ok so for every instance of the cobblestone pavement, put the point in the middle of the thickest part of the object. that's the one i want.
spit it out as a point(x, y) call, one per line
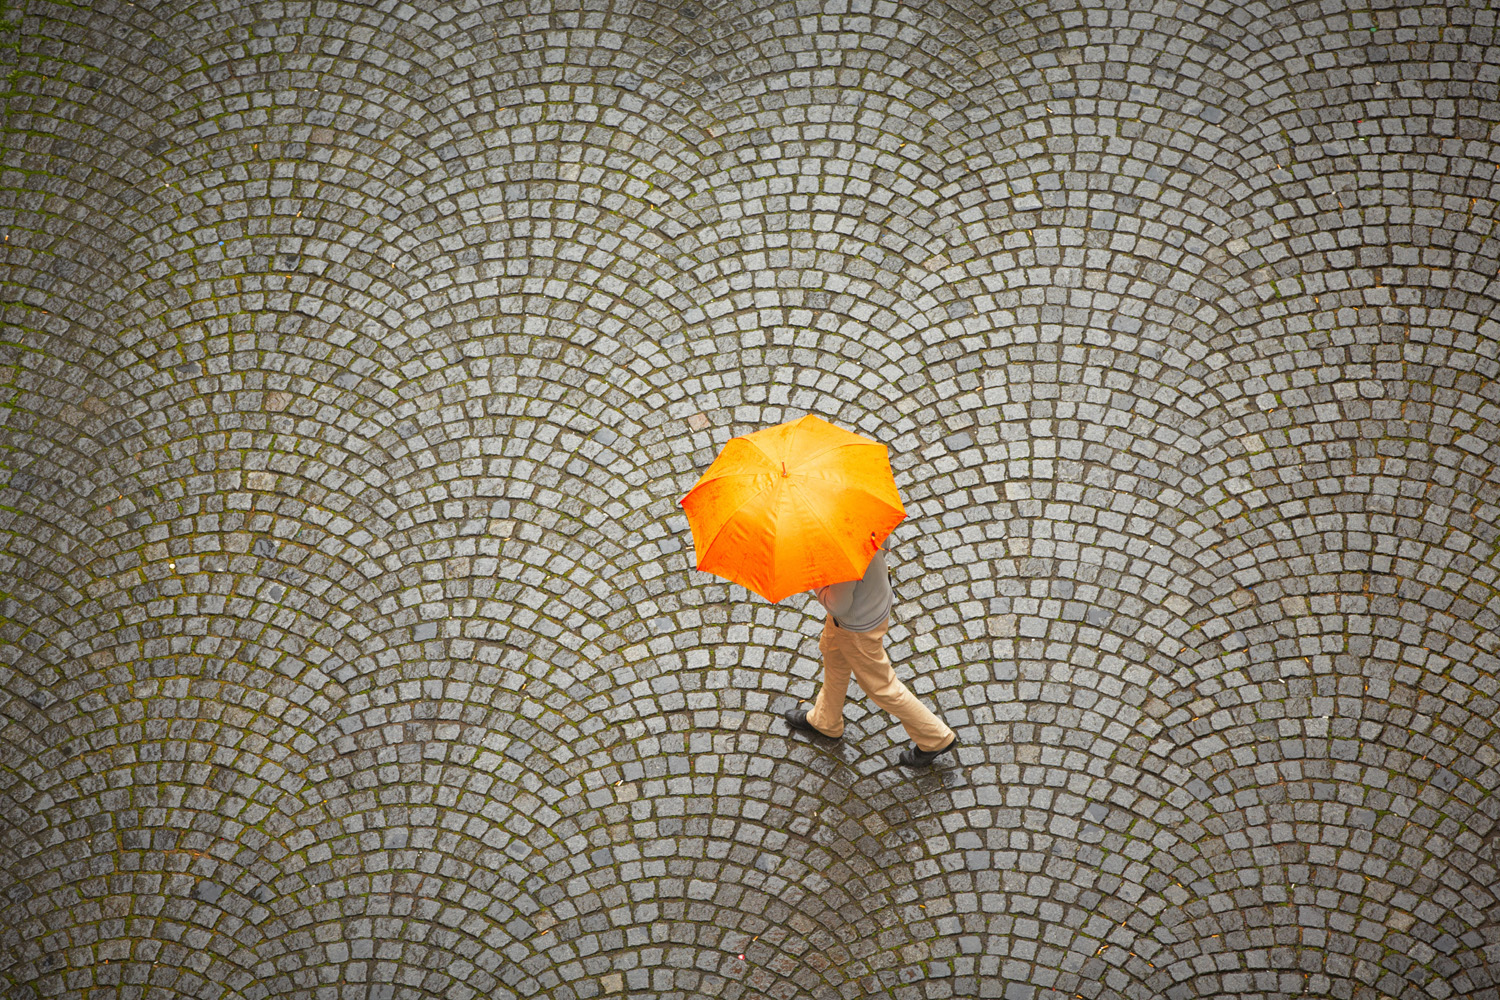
point(356, 355)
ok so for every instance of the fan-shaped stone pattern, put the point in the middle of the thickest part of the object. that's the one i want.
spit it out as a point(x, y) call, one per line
point(354, 357)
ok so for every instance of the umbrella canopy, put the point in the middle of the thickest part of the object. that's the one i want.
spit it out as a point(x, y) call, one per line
point(793, 507)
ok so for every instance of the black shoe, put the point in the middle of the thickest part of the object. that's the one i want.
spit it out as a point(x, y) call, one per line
point(912, 757)
point(797, 719)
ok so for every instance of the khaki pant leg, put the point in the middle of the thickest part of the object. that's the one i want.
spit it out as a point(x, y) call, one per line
point(827, 713)
point(865, 652)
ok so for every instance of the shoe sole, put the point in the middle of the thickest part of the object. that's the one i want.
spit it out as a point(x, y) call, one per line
point(814, 732)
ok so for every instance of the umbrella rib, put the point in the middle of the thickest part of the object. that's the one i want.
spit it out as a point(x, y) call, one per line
point(763, 454)
point(728, 518)
point(805, 459)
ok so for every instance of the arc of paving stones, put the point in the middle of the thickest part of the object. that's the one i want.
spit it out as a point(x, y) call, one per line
point(1100, 589)
point(189, 749)
point(184, 764)
point(581, 143)
point(1362, 819)
point(1148, 192)
point(561, 917)
point(690, 885)
point(402, 849)
point(1348, 405)
point(55, 241)
point(1238, 656)
point(533, 500)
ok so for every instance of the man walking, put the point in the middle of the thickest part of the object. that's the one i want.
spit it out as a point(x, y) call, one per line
point(854, 642)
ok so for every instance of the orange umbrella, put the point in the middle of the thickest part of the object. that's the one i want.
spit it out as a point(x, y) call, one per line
point(793, 507)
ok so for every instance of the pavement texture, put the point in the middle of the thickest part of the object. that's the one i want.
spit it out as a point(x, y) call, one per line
point(355, 356)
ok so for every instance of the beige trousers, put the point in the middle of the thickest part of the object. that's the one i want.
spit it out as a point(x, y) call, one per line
point(863, 655)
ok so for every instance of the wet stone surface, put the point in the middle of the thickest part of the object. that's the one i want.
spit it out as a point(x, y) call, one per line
point(354, 358)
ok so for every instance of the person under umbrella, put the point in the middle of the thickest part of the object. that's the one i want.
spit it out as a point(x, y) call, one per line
point(853, 642)
point(803, 506)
